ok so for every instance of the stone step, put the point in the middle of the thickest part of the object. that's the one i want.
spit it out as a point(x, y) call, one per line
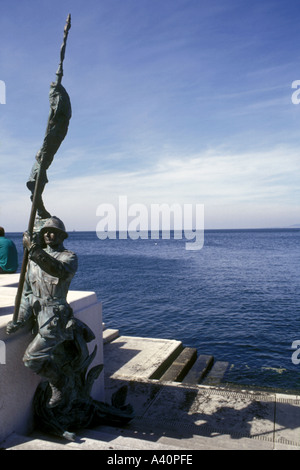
point(166, 361)
point(181, 365)
point(134, 358)
point(157, 359)
point(121, 438)
point(109, 335)
point(199, 369)
point(86, 440)
point(143, 439)
point(216, 374)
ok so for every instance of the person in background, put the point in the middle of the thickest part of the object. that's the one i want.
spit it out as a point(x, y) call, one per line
point(8, 254)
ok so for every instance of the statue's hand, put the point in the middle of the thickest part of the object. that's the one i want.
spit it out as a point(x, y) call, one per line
point(27, 240)
point(12, 327)
point(30, 241)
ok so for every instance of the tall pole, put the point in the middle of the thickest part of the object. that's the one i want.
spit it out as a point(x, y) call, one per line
point(40, 178)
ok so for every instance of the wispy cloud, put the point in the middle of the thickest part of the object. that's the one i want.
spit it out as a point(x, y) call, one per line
point(216, 179)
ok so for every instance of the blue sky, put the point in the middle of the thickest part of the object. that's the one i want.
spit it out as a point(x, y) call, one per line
point(174, 101)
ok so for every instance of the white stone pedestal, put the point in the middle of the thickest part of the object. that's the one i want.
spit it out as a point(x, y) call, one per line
point(17, 382)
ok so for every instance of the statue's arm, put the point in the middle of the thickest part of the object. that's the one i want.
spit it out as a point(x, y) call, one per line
point(25, 311)
point(61, 268)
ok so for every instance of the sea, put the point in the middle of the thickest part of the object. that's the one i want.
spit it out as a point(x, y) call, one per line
point(237, 298)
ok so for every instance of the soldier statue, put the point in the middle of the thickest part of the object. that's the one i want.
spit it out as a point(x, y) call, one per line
point(49, 274)
point(59, 352)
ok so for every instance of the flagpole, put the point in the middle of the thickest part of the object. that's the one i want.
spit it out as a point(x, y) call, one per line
point(40, 178)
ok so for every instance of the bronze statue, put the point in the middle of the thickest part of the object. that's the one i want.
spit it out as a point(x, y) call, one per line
point(49, 274)
point(59, 351)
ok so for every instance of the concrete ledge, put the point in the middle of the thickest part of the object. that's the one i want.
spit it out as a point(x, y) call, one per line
point(9, 280)
point(135, 357)
point(109, 335)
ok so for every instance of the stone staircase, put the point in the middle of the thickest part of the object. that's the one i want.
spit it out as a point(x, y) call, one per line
point(182, 365)
point(180, 406)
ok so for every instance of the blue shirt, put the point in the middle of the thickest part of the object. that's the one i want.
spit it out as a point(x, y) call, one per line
point(8, 255)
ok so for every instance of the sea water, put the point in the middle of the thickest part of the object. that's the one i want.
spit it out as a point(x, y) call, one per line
point(237, 298)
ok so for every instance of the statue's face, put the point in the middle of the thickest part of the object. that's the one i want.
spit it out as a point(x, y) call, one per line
point(53, 237)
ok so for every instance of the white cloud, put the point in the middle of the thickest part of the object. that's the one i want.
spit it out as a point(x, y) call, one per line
point(249, 190)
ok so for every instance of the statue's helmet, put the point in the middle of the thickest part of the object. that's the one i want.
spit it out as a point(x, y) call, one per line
point(54, 223)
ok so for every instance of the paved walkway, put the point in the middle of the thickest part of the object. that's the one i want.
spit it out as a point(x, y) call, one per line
point(178, 417)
